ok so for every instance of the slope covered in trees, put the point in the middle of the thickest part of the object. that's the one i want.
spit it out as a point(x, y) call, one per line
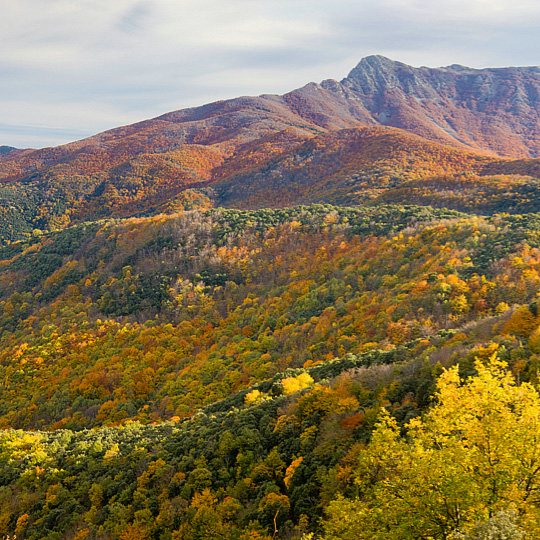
point(349, 166)
point(467, 192)
point(290, 328)
point(156, 317)
point(180, 371)
point(338, 142)
point(468, 469)
point(273, 460)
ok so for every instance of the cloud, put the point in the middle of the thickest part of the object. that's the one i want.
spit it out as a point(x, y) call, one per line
point(133, 59)
point(133, 20)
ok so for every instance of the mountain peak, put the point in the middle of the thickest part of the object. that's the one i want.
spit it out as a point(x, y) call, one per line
point(375, 62)
point(373, 73)
point(376, 59)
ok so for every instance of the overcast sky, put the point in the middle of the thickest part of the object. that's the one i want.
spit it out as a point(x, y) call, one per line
point(72, 68)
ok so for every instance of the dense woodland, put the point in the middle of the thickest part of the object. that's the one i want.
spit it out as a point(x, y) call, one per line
point(220, 373)
point(254, 320)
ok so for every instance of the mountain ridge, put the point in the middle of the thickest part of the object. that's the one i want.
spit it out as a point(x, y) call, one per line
point(271, 142)
point(493, 101)
point(363, 88)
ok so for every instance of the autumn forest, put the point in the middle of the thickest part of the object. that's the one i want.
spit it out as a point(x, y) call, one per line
point(267, 318)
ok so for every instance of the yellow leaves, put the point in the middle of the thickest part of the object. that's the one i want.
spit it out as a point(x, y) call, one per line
point(501, 308)
point(255, 397)
point(40, 472)
point(275, 500)
point(52, 494)
point(398, 332)
point(475, 451)
point(294, 225)
point(20, 351)
point(497, 423)
point(420, 287)
point(283, 422)
point(9, 308)
point(205, 499)
point(155, 468)
point(331, 218)
point(59, 274)
point(134, 532)
point(96, 495)
point(82, 533)
point(179, 477)
point(294, 384)
point(308, 436)
point(521, 323)
point(22, 523)
point(289, 473)
point(459, 304)
point(24, 447)
point(517, 262)
point(112, 452)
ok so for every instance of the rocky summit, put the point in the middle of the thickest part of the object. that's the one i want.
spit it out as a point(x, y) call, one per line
point(494, 110)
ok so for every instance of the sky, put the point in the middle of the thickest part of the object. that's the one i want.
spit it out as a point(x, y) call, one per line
point(72, 68)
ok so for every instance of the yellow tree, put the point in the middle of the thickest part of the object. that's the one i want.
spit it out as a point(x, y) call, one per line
point(474, 454)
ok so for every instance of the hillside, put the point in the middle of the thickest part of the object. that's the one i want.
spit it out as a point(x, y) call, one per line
point(289, 327)
point(328, 143)
point(513, 194)
point(299, 317)
point(350, 166)
point(160, 316)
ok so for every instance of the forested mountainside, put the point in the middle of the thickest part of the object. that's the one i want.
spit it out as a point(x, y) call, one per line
point(287, 329)
point(349, 166)
point(335, 142)
point(309, 316)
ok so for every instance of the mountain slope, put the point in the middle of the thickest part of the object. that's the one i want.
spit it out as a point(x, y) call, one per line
point(217, 373)
point(348, 167)
point(150, 318)
point(291, 329)
point(493, 110)
point(331, 142)
point(145, 168)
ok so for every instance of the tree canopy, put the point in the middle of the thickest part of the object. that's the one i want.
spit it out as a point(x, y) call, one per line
point(475, 454)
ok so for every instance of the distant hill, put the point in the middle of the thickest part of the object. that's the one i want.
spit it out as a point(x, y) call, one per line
point(335, 142)
point(6, 150)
